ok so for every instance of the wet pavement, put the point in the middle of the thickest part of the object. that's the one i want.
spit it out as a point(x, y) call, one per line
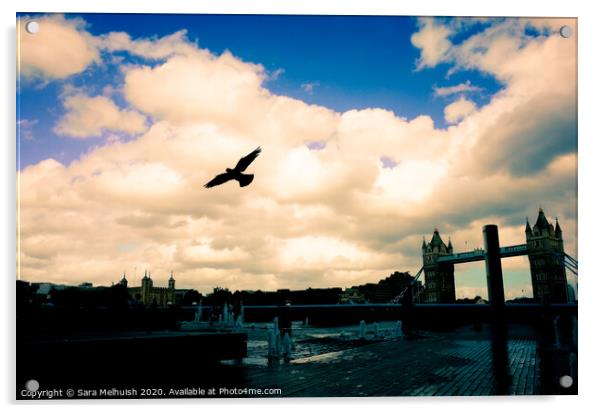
point(334, 362)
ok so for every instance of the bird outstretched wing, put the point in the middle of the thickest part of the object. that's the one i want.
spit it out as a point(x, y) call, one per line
point(219, 179)
point(244, 162)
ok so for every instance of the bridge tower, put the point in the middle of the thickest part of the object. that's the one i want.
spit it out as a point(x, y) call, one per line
point(439, 283)
point(546, 257)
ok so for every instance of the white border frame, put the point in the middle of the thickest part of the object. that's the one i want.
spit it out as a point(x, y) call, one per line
point(589, 198)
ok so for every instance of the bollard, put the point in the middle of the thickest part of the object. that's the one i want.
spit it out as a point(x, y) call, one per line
point(363, 330)
point(287, 347)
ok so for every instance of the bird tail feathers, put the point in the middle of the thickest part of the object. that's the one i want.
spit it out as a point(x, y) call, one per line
point(245, 179)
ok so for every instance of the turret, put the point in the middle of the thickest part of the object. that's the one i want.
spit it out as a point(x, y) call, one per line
point(147, 281)
point(528, 230)
point(558, 230)
point(542, 226)
point(436, 242)
point(124, 281)
point(171, 284)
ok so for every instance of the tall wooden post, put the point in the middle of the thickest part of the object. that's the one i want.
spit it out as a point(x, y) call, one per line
point(495, 288)
point(493, 264)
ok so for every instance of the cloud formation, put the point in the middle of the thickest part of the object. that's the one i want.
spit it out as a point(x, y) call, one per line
point(432, 40)
point(88, 117)
point(465, 87)
point(60, 48)
point(459, 109)
point(327, 214)
point(173, 44)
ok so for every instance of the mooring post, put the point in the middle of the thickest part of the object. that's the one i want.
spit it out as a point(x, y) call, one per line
point(493, 264)
point(495, 288)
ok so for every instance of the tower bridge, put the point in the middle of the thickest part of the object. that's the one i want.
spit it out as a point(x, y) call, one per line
point(544, 247)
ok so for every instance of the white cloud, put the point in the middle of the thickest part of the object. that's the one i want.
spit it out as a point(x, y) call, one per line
point(322, 252)
point(59, 49)
point(225, 91)
point(432, 40)
point(412, 181)
point(465, 87)
point(458, 110)
point(89, 116)
point(173, 44)
point(195, 88)
point(201, 252)
point(506, 51)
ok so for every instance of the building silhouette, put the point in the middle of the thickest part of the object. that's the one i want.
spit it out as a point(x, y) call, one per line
point(148, 294)
point(439, 282)
point(279, 297)
point(384, 291)
point(546, 258)
point(352, 295)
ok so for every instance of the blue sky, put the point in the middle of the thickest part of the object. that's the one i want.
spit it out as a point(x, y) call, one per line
point(348, 62)
point(375, 130)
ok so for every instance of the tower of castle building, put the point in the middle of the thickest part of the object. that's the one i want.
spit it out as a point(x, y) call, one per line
point(124, 281)
point(146, 288)
point(171, 284)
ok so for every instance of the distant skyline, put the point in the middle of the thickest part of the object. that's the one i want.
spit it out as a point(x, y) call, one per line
point(375, 130)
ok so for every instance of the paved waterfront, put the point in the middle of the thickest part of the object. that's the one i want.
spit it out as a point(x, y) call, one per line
point(441, 364)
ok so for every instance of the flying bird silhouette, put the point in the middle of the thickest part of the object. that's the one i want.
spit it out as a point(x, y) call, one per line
point(236, 173)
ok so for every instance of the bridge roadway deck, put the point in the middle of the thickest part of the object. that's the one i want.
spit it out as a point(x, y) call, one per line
point(448, 364)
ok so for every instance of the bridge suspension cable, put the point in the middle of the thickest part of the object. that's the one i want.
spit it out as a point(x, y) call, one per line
point(398, 298)
point(572, 261)
point(568, 262)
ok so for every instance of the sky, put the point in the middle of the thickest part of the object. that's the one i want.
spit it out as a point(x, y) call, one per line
point(374, 130)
